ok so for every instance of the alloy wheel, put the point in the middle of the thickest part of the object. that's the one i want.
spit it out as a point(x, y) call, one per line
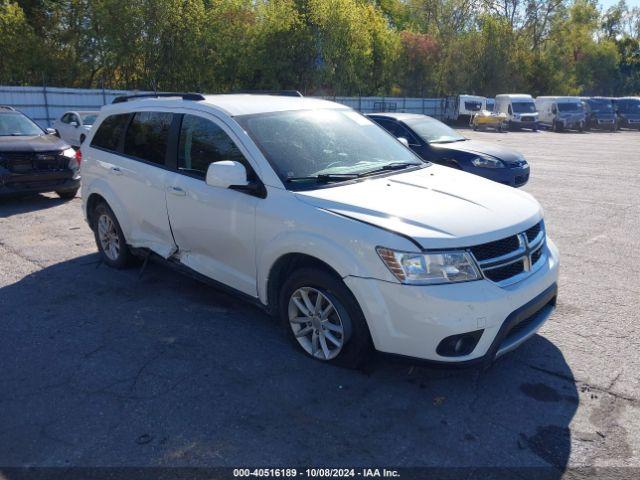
point(108, 236)
point(316, 323)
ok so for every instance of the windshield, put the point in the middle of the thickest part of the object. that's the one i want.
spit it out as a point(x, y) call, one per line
point(524, 107)
point(600, 105)
point(473, 106)
point(569, 107)
point(312, 145)
point(629, 106)
point(16, 124)
point(434, 131)
point(490, 104)
point(89, 118)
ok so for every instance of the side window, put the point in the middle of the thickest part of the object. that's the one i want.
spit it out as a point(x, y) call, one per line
point(74, 118)
point(510, 110)
point(402, 131)
point(388, 125)
point(110, 131)
point(203, 142)
point(147, 136)
point(65, 118)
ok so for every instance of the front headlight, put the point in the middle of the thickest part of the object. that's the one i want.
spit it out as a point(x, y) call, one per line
point(487, 162)
point(430, 268)
point(70, 153)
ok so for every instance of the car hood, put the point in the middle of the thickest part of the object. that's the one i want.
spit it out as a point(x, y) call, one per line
point(436, 206)
point(481, 148)
point(37, 143)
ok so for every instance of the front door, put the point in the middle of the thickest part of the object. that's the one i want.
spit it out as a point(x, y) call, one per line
point(214, 228)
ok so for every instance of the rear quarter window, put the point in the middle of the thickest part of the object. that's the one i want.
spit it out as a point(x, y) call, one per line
point(110, 132)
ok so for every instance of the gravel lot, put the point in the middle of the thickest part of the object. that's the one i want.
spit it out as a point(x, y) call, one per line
point(101, 367)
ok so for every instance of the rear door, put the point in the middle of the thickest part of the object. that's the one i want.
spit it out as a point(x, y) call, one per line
point(139, 176)
point(214, 228)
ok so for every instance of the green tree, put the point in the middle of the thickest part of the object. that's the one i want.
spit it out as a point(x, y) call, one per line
point(18, 45)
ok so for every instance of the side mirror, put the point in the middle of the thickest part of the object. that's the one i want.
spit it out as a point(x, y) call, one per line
point(403, 141)
point(226, 173)
point(74, 124)
point(50, 131)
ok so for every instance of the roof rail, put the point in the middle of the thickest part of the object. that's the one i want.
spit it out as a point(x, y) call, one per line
point(7, 107)
point(184, 96)
point(280, 93)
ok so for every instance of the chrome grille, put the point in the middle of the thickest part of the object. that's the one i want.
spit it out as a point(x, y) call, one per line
point(512, 259)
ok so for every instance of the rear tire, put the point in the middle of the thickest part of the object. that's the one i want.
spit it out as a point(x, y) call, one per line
point(67, 194)
point(323, 319)
point(110, 239)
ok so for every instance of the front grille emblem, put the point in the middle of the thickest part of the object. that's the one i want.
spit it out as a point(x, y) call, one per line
point(526, 258)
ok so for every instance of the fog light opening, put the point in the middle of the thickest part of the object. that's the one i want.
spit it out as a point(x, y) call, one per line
point(459, 345)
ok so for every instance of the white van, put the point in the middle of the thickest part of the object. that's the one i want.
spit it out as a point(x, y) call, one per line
point(460, 108)
point(520, 110)
point(561, 113)
point(318, 215)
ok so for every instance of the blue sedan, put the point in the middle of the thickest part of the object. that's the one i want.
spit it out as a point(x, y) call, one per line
point(436, 142)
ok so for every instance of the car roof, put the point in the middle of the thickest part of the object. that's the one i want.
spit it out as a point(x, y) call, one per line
point(399, 115)
point(232, 104)
point(559, 98)
point(517, 96)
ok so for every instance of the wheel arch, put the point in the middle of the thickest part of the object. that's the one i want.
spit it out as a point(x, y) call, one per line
point(101, 192)
point(283, 267)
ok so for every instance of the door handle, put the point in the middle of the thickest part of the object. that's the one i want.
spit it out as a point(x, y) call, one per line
point(177, 191)
point(116, 171)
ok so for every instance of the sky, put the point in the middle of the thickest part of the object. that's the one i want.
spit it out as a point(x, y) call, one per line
point(609, 3)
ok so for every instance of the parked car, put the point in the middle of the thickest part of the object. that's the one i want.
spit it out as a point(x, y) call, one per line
point(600, 113)
point(315, 213)
point(520, 110)
point(628, 112)
point(436, 142)
point(561, 113)
point(33, 160)
point(73, 127)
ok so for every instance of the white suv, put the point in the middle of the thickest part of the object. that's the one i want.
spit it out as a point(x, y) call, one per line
point(317, 214)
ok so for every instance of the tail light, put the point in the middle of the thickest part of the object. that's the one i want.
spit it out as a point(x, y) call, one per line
point(79, 157)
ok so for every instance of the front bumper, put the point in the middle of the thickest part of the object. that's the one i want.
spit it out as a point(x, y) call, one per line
point(32, 183)
point(571, 123)
point(527, 123)
point(411, 321)
point(514, 177)
point(604, 123)
point(630, 122)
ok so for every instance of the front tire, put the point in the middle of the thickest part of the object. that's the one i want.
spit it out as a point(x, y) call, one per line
point(110, 239)
point(67, 194)
point(323, 318)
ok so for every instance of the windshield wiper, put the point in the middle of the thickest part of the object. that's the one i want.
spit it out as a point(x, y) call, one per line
point(450, 141)
point(390, 166)
point(326, 177)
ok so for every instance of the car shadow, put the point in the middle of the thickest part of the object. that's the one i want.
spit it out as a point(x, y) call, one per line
point(108, 367)
point(10, 206)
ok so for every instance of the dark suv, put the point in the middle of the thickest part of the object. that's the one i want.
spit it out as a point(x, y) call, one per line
point(33, 160)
